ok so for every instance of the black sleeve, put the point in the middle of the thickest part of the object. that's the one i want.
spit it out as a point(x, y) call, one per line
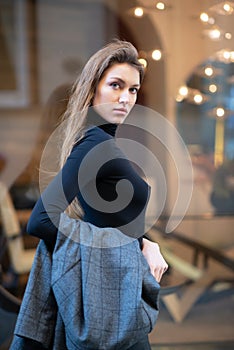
point(45, 216)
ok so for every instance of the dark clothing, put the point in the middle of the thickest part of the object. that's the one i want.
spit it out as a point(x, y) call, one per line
point(29, 344)
point(95, 172)
point(141, 345)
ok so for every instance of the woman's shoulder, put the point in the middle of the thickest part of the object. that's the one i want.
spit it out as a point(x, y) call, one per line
point(92, 137)
point(97, 132)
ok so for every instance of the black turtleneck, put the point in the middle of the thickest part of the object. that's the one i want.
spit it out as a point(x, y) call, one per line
point(92, 174)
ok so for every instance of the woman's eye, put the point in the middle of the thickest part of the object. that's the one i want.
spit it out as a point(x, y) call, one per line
point(115, 85)
point(134, 90)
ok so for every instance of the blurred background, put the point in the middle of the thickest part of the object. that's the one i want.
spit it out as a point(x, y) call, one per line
point(187, 47)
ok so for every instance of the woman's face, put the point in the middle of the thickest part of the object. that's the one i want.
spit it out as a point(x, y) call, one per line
point(116, 92)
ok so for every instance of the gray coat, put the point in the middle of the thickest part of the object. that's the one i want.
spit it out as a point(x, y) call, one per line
point(94, 292)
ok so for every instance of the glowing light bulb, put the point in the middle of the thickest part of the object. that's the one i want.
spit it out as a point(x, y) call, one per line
point(179, 98)
point(160, 6)
point(156, 55)
point(215, 34)
point(204, 17)
point(220, 112)
point(228, 36)
point(228, 8)
point(212, 88)
point(143, 62)
point(209, 71)
point(183, 90)
point(226, 55)
point(198, 98)
point(138, 12)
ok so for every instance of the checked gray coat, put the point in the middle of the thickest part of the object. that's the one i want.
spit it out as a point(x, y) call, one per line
point(94, 292)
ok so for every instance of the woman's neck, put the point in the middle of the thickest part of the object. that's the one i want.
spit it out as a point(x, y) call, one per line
point(94, 119)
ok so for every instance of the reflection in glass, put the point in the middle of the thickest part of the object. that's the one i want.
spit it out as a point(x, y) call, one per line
point(208, 124)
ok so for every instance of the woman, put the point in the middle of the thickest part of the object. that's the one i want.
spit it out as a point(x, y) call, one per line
point(109, 83)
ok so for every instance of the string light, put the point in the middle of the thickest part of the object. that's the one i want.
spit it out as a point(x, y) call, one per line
point(160, 6)
point(228, 36)
point(145, 56)
point(198, 99)
point(213, 88)
point(227, 55)
point(179, 98)
point(138, 12)
point(213, 33)
point(183, 91)
point(143, 62)
point(209, 71)
point(220, 112)
point(228, 8)
point(224, 8)
point(191, 95)
point(224, 55)
point(157, 55)
point(204, 17)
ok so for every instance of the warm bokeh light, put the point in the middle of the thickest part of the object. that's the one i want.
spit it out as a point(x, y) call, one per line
point(228, 36)
point(156, 55)
point(179, 98)
point(143, 62)
point(160, 6)
point(209, 71)
point(227, 55)
point(204, 17)
point(220, 112)
point(198, 98)
point(213, 88)
point(183, 90)
point(214, 34)
point(228, 8)
point(138, 12)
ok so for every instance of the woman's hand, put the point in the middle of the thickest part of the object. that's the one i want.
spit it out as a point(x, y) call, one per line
point(157, 264)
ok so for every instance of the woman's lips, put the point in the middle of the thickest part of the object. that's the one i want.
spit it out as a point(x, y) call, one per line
point(120, 110)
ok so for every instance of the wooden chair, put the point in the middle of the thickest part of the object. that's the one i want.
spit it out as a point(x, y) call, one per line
point(197, 278)
point(20, 258)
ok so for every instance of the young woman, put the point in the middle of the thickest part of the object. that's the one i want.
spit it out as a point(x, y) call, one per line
point(102, 97)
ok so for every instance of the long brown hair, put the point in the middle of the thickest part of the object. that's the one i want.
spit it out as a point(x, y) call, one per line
point(84, 90)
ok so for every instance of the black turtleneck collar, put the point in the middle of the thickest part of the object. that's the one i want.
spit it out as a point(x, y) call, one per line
point(109, 128)
point(94, 119)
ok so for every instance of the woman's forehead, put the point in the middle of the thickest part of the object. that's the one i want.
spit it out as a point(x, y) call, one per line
point(123, 71)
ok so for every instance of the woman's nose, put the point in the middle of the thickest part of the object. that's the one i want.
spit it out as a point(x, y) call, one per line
point(124, 98)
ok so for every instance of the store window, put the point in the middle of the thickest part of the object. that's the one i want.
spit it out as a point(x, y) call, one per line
point(187, 49)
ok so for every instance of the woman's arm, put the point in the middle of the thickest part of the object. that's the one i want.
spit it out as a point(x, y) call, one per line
point(157, 264)
point(45, 217)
